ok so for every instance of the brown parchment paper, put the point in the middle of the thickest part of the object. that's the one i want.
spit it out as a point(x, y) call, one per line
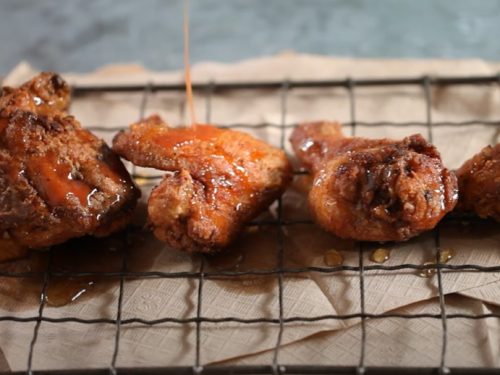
point(390, 341)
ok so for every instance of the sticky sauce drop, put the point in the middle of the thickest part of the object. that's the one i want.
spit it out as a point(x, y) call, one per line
point(380, 255)
point(444, 257)
point(333, 258)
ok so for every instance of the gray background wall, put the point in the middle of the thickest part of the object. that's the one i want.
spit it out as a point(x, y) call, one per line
point(80, 35)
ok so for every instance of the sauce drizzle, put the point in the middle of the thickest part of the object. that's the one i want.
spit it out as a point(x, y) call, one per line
point(187, 68)
point(177, 137)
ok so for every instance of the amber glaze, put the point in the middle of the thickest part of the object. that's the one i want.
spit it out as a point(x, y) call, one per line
point(177, 137)
point(55, 181)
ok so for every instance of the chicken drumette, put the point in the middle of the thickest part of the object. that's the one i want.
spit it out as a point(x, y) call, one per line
point(479, 183)
point(220, 179)
point(374, 190)
point(57, 180)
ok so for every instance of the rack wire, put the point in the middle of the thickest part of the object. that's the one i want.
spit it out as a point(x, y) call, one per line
point(282, 88)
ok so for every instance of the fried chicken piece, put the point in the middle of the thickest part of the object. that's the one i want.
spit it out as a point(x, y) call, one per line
point(479, 183)
point(374, 190)
point(220, 179)
point(57, 180)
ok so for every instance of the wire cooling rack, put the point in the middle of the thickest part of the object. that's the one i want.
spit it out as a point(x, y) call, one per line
point(282, 88)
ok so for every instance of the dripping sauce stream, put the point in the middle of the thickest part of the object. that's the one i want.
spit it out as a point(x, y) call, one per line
point(187, 67)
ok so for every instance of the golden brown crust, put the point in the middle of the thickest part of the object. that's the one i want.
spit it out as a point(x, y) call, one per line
point(479, 183)
point(374, 190)
point(220, 180)
point(45, 94)
point(57, 180)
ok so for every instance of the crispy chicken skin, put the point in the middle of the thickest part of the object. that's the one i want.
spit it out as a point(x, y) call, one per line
point(57, 180)
point(373, 190)
point(220, 179)
point(479, 183)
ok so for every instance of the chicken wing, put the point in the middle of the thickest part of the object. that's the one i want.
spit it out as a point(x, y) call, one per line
point(373, 190)
point(220, 179)
point(479, 183)
point(57, 180)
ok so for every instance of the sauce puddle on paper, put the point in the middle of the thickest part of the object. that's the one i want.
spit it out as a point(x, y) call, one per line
point(81, 255)
point(255, 249)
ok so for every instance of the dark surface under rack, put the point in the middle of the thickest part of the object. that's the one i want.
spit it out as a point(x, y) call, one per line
point(282, 88)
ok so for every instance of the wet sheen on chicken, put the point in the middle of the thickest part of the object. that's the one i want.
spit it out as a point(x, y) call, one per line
point(57, 180)
point(373, 189)
point(479, 183)
point(219, 180)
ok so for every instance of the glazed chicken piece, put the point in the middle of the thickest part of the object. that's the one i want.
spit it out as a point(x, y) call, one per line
point(479, 183)
point(373, 190)
point(57, 180)
point(219, 179)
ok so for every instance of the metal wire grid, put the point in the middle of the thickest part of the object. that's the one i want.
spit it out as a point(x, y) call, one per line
point(280, 271)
